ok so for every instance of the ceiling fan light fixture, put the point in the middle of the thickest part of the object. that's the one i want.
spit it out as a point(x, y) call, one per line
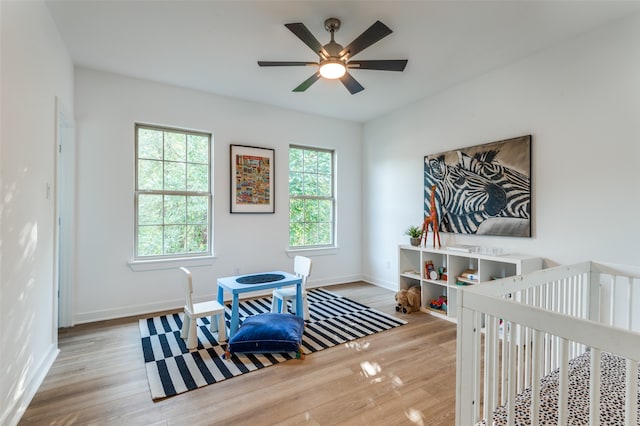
point(332, 69)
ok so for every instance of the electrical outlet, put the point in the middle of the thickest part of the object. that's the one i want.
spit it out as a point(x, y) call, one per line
point(236, 271)
point(387, 264)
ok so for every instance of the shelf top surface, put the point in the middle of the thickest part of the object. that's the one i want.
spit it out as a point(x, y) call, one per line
point(505, 257)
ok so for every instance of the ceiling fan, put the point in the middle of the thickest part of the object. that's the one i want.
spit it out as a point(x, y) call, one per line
point(334, 60)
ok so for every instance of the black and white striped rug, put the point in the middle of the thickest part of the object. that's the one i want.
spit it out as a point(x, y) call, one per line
point(173, 369)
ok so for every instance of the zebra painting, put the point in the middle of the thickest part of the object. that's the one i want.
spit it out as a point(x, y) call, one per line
point(485, 189)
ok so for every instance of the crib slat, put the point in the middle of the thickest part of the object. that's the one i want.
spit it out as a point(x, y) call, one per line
point(511, 381)
point(489, 368)
point(631, 394)
point(464, 371)
point(563, 386)
point(476, 366)
point(594, 388)
point(519, 358)
point(629, 324)
point(612, 300)
point(503, 367)
point(536, 376)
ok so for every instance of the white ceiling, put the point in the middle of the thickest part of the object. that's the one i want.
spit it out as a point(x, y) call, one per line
point(213, 46)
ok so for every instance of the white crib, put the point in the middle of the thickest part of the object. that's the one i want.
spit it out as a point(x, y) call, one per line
point(523, 343)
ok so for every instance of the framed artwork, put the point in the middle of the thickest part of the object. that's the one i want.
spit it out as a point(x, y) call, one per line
point(252, 179)
point(483, 189)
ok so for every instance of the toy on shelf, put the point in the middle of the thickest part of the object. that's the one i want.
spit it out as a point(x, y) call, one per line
point(408, 300)
point(429, 269)
point(432, 220)
point(440, 303)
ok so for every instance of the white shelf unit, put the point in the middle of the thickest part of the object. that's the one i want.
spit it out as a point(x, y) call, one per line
point(411, 266)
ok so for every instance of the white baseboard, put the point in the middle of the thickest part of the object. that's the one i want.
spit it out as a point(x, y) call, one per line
point(390, 285)
point(167, 305)
point(17, 406)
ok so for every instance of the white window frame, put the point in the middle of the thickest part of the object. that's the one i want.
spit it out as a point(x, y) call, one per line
point(332, 198)
point(151, 260)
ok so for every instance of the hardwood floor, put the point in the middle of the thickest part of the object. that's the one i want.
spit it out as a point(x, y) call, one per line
point(403, 376)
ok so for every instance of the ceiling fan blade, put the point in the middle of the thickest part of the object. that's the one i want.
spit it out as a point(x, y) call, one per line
point(303, 33)
point(307, 83)
point(382, 65)
point(285, 64)
point(351, 84)
point(375, 32)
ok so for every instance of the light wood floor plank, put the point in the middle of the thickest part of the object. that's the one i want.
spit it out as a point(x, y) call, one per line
point(404, 376)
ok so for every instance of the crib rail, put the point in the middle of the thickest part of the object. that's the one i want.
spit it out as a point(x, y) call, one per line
point(514, 331)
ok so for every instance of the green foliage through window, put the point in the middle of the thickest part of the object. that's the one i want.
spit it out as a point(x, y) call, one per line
point(173, 192)
point(311, 201)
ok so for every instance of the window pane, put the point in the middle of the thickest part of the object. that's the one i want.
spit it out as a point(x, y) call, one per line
point(198, 177)
point(196, 238)
point(197, 210)
point(175, 210)
point(175, 146)
point(296, 160)
point(150, 144)
point(295, 183)
point(311, 210)
point(310, 184)
point(174, 239)
point(149, 240)
point(175, 176)
point(311, 234)
point(324, 185)
point(197, 149)
point(324, 210)
point(296, 234)
point(296, 210)
point(149, 209)
point(150, 175)
point(324, 162)
point(324, 233)
point(310, 161)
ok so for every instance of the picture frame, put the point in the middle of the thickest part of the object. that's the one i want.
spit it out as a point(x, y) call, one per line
point(252, 179)
point(483, 189)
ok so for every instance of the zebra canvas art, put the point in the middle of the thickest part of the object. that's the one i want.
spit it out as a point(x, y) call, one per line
point(483, 189)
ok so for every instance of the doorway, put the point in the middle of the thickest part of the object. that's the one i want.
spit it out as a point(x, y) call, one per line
point(64, 217)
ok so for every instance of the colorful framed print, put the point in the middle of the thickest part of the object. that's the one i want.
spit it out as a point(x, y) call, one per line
point(252, 177)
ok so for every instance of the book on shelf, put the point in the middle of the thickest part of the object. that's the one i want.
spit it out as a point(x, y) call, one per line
point(470, 276)
point(465, 281)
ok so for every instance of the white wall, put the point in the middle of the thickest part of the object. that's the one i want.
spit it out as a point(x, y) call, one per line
point(35, 69)
point(108, 105)
point(581, 102)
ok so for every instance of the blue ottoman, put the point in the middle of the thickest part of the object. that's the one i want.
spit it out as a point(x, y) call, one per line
point(268, 333)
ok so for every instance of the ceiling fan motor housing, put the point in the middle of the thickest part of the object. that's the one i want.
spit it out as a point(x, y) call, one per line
point(332, 24)
point(332, 48)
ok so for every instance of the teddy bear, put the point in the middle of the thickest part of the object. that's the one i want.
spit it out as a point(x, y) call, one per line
point(408, 300)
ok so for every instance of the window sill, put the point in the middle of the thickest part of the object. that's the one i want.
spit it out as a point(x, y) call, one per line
point(158, 264)
point(312, 251)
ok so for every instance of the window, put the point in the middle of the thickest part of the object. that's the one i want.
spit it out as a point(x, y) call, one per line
point(311, 200)
point(173, 193)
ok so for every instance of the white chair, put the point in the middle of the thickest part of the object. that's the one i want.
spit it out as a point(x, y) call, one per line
point(193, 311)
point(302, 268)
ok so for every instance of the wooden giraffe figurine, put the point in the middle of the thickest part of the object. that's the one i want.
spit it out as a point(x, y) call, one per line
point(432, 220)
